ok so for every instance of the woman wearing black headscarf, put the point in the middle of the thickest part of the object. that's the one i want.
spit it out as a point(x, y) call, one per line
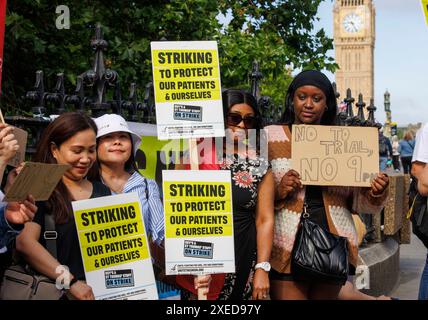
point(311, 100)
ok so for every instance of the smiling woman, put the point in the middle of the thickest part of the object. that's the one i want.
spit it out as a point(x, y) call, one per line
point(252, 194)
point(69, 139)
point(116, 168)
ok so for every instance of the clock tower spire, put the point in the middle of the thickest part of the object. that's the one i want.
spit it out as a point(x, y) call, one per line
point(354, 40)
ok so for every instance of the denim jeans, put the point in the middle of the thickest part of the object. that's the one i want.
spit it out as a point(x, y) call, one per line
point(382, 163)
point(7, 233)
point(423, 286)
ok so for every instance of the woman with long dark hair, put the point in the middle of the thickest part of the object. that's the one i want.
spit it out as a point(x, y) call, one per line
point(69, 139)
point(252, 194)
point(253, 197)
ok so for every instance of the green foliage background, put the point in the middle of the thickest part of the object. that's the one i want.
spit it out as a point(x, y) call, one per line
point(278, 34)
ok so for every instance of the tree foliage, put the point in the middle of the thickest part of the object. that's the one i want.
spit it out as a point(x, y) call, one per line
point(279, 34)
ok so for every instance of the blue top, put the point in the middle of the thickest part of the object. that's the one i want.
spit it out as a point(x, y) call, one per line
point(406, 147)
point(7, 232)
point(151, 204)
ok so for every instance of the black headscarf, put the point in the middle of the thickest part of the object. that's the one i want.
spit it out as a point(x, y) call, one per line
point(319, 80)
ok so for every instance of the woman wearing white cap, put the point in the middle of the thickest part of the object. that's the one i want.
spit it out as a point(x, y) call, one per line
point(116, 147)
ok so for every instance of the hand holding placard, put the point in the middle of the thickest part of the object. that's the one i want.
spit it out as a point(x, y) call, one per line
point(20, 136)
point(8, 144)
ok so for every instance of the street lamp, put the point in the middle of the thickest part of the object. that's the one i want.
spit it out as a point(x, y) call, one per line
point(387, 104)
point(387, 101)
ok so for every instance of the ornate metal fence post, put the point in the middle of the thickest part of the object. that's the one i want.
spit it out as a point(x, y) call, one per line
point(78, 99)
point(38, 95)
point(96, 82)
point(99, 78)
point(255, 78)
point(58, 97)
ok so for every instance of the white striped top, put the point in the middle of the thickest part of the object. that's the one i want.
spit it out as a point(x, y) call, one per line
point(152, 209)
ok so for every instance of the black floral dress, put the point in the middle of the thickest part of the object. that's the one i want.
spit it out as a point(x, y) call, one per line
point(246, 176)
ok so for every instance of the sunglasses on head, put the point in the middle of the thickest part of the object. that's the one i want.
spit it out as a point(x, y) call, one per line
point(234, 119)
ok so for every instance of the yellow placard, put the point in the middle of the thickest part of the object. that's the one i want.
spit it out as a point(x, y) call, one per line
point(425, 9)
point(197, 209)
point(156, 155)
point(111, 235)
point(186, 75)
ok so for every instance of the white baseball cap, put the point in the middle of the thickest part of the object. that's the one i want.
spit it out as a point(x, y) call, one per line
point(109, 123)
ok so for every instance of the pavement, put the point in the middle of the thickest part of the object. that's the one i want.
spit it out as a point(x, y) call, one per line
point(412, 262)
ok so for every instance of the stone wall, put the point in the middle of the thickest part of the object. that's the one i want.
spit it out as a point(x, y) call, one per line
point(391, 228)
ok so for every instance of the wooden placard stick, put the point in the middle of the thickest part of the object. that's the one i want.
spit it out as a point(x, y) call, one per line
point(194, 165)
point(1, 117)
point(2, 167)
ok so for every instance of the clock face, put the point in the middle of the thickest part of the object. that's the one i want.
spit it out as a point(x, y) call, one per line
point(352, 23)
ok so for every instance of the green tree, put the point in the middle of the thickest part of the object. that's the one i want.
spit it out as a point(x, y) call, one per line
point(279, 34)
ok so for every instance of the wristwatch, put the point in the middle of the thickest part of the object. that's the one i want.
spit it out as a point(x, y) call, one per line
point(73, 281)
point(263, 265)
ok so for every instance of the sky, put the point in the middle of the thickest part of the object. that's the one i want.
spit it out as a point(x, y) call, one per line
point(400, 57)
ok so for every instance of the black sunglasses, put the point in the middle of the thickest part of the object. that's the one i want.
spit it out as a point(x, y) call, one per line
point(234, 119)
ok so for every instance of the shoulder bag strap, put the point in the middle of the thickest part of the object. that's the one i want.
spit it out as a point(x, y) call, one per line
point(50, 235)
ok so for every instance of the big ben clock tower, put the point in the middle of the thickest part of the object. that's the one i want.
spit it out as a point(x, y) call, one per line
point(354, 39)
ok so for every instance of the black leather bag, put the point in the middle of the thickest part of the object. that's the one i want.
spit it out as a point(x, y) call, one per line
point(21, 282)
point(319, 255)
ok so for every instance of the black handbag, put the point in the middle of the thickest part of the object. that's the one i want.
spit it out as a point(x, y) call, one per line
point(319, 255)
point(21, 282)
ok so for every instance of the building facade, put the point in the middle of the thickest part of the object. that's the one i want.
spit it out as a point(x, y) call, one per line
point(354, 41)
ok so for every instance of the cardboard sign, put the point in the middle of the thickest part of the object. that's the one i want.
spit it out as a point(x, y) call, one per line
point(335, 156)
point(114, 247)
point(21, 136)
point(186, 77)
point(198, 222)
point(37, 179)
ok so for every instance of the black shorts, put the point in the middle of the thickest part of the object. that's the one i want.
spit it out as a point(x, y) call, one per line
point(275, 275)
